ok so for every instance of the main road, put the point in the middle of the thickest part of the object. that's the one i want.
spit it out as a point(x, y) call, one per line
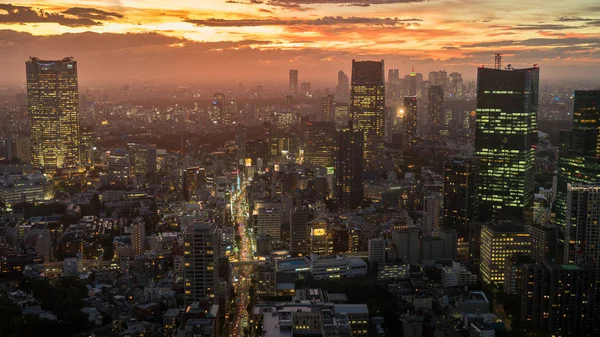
point(239, 209)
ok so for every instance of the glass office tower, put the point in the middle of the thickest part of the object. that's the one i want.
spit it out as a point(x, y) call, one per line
point(505, 141)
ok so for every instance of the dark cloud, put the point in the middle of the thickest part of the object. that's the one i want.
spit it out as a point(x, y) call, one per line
point(544, 27)
point(538, 42)
point(72, 17)
point(450, 48)
point(92, 13)
point(324, 21)
point(304, 4)
point(572, 19)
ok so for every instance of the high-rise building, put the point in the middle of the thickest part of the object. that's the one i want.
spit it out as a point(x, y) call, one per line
point(543, 242)
point(505, 141)
point(200, 256)
point(582, 229)
point(305, 88)
point(299, 239)
point(560, 300)
point(410, 121)
point(349, 168)
point(319, 145)
point(455, 86)
point(327, 108)
point(436, 114)
point(86, 146)
point(268, 218)
point(193, 178)
point(376, 250)
point(393, 75)
point(433, 209)
point(579, 151)
point(342, 93)
point(241, 133)
point(143, 160)
point(321, 241)
point(293, 81)
point(218, 108)
point(53, 103)
point(138, 236)
point(367, 108)
point(499, 241)
point(460, 201)
point(406, 243)
point(412, 83)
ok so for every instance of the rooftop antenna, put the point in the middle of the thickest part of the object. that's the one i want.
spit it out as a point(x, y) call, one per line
point(509, 67)
point(498, 61)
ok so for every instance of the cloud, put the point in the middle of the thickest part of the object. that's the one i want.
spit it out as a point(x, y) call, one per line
point(544, 27)
point(324, 21)
point(93, 13)
point(572, 19)
point(537, 42)
point(305, 4)
point(72, 17)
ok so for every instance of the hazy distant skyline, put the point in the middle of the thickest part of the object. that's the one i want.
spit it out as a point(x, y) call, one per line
point(254, 40)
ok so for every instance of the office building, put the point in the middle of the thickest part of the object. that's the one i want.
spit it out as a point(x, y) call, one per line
point(321, 240)
point(460, 201)
point(342, 93)
point(544, 240)
point(560, 300)
point(138, 236)
point(499, 241)
point(410, 122)
point(200, 255)
point(193, 179)
point(367, 108)
point(327, 108)
point(376, 250)
point(86, 146)
point(143, 160)
point(406, 243)
point(436, 117)
point(582, 228)
point(349, 168)
point(53, 104)
point(579, 151)
point(433, 210)
point(293, 81)
point(267, 217)
point(18, 188)
point(505, 141)
point(299, 229)
point(319, 146)
point(218, 109)
point(457, 275)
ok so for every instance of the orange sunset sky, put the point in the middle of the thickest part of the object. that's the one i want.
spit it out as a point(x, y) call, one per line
point(259, 40)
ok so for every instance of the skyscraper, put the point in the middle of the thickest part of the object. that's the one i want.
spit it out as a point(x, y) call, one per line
point(218, 108)
point(319, 138)
point(582, 231)
point(579, 152)
point(241, 133)
point(53, 102)
point(505, 141)
point(436, 114)
point(433, 209)
point(499, 241)
point(327, 108)
point(460, 201)
point(412, 83)
point(367, 108)
point(293, 81)
point(349, 168)
point(200, 248)
point(410, 121)
point(299, 239)
point(138, 236)
point(343, 87)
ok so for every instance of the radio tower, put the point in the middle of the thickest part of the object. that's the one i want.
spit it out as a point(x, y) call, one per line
point(498, 61)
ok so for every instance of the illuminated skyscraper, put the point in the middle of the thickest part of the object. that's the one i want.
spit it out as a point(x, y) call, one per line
point(410, 121)
point(349, 168)
point(201, 252)
point(319, 138)
point(138, 236)
point(412, 83)
point(218, 108)
point(327, 108)
point(582, 230)
point(53, 100)
point(436, 116)
point(86, 148)
point(505, 141)
point(579, 152)
point(293, 81)
point(499, 241)
point(367, 108)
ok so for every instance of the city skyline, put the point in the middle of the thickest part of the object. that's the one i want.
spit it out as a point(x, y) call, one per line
point(220, 40)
